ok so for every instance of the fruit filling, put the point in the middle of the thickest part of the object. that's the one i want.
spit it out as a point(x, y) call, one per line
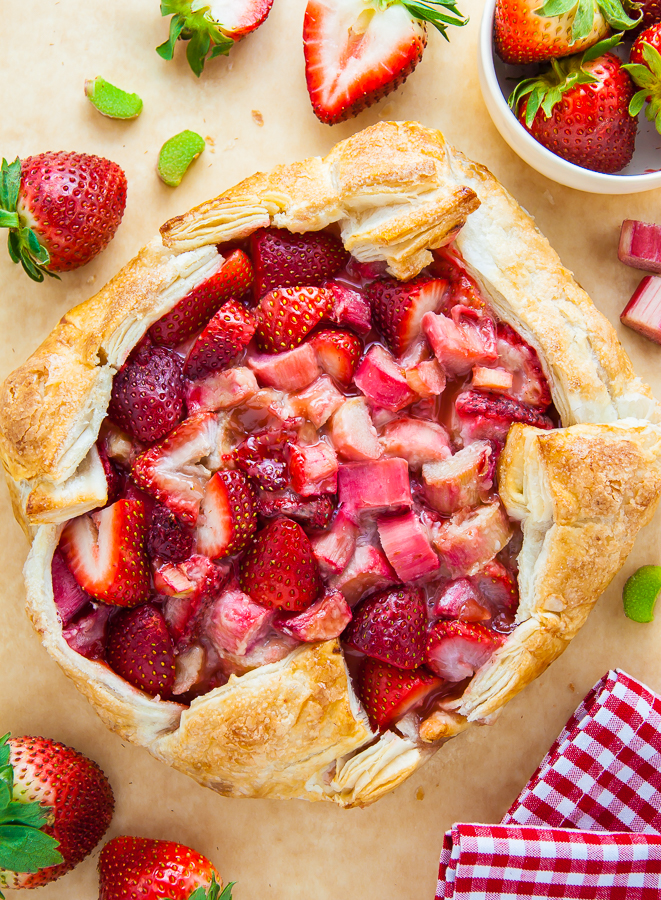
point(305, 449)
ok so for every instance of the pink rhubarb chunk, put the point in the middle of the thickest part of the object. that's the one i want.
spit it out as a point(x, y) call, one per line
point(407, 546)
point(350, 309)
point(643, 311)
point(235, 622)
point(465, 340)
point(313, 469)
point(495, 379)
point(324, 620)
point(290, 371)
point(379, 486)
point(426, 378)
point(640, 245)
point(334, 548)
point(367, 571)
point(352, 432)
point(459, 600)
point(460, 480)
point(318, 402)
point(382, 380)
point(472, 537)
point(221, 390)
point(416, 440)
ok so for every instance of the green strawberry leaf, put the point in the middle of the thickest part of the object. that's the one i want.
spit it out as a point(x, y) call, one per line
point(556, 8)
point(612, 10)
point(439, 13)
point(605, 46)
point(652, 59)
point(192, 22)
point(212, 892)
point(637, 103)
point(196, 51)
point(24, 849)
point(10, 182)
point(32, 814)
point(166, 49)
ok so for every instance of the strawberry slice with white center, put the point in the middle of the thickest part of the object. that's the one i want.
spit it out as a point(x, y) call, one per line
point(176, 469)
point(225, 336)
point(456, 650)
point(357, 52)
point(388, 693)
point(398, 308)
point(498, 587)
point(227, 517)
point(488, 416)
point(529, 384)
point(105, 552)
point(338, 352)
point(237, 19)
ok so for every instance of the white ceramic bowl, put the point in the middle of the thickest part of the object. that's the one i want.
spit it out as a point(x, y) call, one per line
point(643, 172)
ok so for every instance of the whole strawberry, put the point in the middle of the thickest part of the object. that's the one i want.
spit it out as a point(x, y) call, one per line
point(55, 805)
point(579, 109)
point(133, 868)
point(61, 209)
point(645, 69)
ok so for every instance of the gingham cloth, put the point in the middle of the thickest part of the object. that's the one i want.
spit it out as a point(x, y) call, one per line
point(602, 775)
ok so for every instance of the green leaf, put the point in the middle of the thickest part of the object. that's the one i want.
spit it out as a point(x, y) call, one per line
point(613, 12)
point(439, 13)
point(227, 891)
point(556, 8)
point(35, 273)
point(605, 46)
point(583, 20)
point(168, 7)
point(166, 49)
point(637, 103)
point(10, 182)
point(652, 58)
point(31, 814)
point(196, 51)
point(8, 219)
point(14, 246)
point(24, 849)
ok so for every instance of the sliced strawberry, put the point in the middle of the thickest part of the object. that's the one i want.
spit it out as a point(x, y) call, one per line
point(261, 457)
point(238, 19)
point(105, 552)
point(498, 587)
point(174, 470)
point(382, 380)
point(459, 599)
point(225, 336)
point(398, 308)
point(279, 568)
point(324, 620)
point(140, 649)
point(285, 316)
point(313, 469)
point(460, 341)
point(86, 634)
point(189, 588)
point(456, 650)
point(148, 393)
point(388, 693)
point(486, 416)
point(282, 259)
point(221, 390)
point(529, 383)
point(113, 477)
point(68, 595)
point(390, 626)
point(312, 512)
point(350, 308)
point(338, 353)
point(227, 517)
point(232, 279)
point(168, 537)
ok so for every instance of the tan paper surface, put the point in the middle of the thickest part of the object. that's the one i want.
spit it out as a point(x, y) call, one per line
point(280, 850)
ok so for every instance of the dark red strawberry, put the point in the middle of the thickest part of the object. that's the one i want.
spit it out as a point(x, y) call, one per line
point(61, 209)
point(338, 352)
point(279, 568)
point(388, 693)
point(68, 595)
point(113, 478)
point(651, 10)
point(285, 316)
point(227, 517)
point(456, 650)
point(488, 417)
point(282, 259)
point(86, 634)
point(140, 649)
point(398, 308)
point(311, 512)
point(228, 332)
point(105, 552)
point(529, 382)
point(645, 70)
point(168, 537)
point(231, 280)
point(260, 456)
point(498, 587)
point(148, 393)
point(390, 626)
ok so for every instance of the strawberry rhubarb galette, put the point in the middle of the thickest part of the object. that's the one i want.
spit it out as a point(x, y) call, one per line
point(336, 466)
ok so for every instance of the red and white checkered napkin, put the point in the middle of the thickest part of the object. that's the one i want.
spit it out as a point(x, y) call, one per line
point(602, 775)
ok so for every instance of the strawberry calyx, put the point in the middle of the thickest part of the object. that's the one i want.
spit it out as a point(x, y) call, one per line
point(648, 77)
point(212, 892)
point(23, 244)
point(546, 89)
point(192, 22)
point(612, 10)
point(439, 13)
point(24, 847)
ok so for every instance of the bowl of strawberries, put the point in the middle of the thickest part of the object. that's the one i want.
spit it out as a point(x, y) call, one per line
point(577, 93)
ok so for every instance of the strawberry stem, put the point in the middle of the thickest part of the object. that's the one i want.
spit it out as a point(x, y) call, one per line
point(647, 77)
point(612, 10)
point(206, 40)
point(439, 13)
point(23, 244)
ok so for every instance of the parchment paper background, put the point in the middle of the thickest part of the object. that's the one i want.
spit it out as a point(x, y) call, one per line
point(279, 850)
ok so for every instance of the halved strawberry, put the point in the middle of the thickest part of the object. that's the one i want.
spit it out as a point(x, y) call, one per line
point(86, 634)
point(282, 259)
point(338, 353)
point(529, 384)
point(139, 648)
point(390, 626)
point(226, 334)
point(459, 599)
point(279, 569)
point(456, 650)
point(356, 53)
point(105, 552)
point(287, 315)
point(227, 517)
point(232, 279)
point(498, 587)
point(398, 308)
point(388, 693)
point(488, 417)
point(174, 470)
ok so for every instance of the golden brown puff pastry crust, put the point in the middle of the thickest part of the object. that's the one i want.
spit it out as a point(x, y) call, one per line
point(395, 191)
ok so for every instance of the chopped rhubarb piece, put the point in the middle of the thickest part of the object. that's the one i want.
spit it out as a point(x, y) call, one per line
point(462, 341)
point(335, 547)
point(227, 519)
point(495, 379)
point(172, 581)
point(388, 693)
point(486, 416)
point(313, 469)
point(352, 432)
point(391, 626)
point(190, 669)
point(221, 390)
point(317, 402)
point(461, 480)
point(87, 634)
point(368, 570)
point(234, 622)
point(407, 546)
point(290, 371)
point(379, 486)
point(68, 595)
point(643, 311)
point(196, 575)
point(415, 440)
point(267, 650)
point(426, 378)
point(498, 587)
point(459, 600)
point(398, 308)
point(338, 352)
point(313, 512)
point(529, 384)
point(349, 308)
point(324, 620)
point(640, 245)
point(456, 650)
point(382, 380)
point(472, 537)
